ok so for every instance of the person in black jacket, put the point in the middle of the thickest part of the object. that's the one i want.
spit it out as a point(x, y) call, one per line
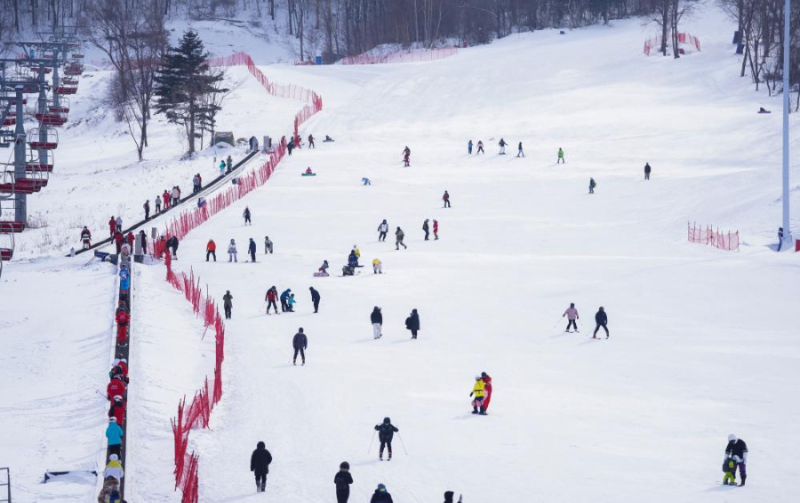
point(300, 344)
point(381, 496)
point(376, 318)
point(601, 318)
point(343, 479)
point(426, 229)
point(385, 435)
point(252, 249)
point(647, 170)
point(314, 298)
point(227, 300)
point(412, 323)
point(737, 447)
point(259, 463)
point(172, 244)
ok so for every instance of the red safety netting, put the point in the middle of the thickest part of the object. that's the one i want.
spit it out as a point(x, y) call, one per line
point(708, 236)
point(406, 56)
point(687, 41)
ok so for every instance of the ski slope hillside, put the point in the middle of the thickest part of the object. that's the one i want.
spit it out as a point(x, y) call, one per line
point(702, 341)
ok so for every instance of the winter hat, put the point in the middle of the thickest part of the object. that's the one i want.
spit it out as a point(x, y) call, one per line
point(113, 457)
point(483, 374)
point(381, 488)
point(386, 420)
point(344, 465)
point(112, 419)
point(732, 438)
point(261, 445)
point(478, 378)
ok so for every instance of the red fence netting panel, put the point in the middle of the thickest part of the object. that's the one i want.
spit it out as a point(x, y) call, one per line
point(708, 236)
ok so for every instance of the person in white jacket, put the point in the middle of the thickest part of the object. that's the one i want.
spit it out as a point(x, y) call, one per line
point(232, 251)
point(114, 468)
point(572, 315)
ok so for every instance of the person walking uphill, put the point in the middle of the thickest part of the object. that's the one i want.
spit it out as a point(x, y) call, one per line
point(300, 344)
point(478, 390)
point(647, 170)
point(376, 318)
point(386, 432)
point(520, 152)
point(343, 479)
point(259, 465)
point(227, 300)
point(601, 318)
point(412, 323)
point(737, 449)
point(315, 298)
point(572, 315)
point(114, 435)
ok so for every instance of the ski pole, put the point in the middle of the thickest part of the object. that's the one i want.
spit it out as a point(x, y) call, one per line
point(402, 443)
point(556, 323)
point(370, 442)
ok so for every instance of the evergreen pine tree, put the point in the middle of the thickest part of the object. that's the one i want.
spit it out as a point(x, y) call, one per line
point(184, 85)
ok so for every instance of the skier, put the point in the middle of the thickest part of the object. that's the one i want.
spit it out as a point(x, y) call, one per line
point(300, 344)
point(399, 236)
point(227, 300)
point(487, 390)
point(647, 170)
point(259, 465)
point(560, 156)
point(377, 322)
point(407, 156)
point(356, 251)
point(112, 226)
point(386, 432)
point(469, 147)
point(572, 315)
point(380, 495)
point(122, 318)
point(290, 146)
point(267, 245)
point(480, 148)
point(211, 250)
point(147, 209)
point(246, 215)
point(315, 298)
point(502, 144)
point(285, 299)
point(143, 240)
point(117, 410)
point(377, 266)
point(343, 479)
point(311, 141)
point(113, 468)
point(478, 392)
point(366, 181)
point(165, 197)
point(228, 164)
point(252, 249)
point(738, 449)
point(157, 200)
point(602, 320)
point(232, 253)
point(412, 323)
point(446, 199)
point(272, 299)
point(114, 435)
point(592, 185)
point(426, 229)
point(520, 152)
point(86, 238)
point(435, 230)
point(383, 228)
point(352, 260)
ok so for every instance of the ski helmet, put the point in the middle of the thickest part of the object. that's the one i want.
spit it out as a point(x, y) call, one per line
point(478, 378)
point(732, 438)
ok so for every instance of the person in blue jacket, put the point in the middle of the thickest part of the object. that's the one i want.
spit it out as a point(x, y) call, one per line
point(469, 147)
point(285, 299)
point(252, 249)
point(114, 435)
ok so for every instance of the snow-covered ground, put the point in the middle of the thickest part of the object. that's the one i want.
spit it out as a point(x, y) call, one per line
point(703, 342)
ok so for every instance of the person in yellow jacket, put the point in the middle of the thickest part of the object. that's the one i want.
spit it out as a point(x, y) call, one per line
point(377, 266)
point(478, 392)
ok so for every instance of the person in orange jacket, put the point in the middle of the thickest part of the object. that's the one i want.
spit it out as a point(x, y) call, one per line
point(112, 225)
point(117, 410)
point(122, 327)
point(116, 387)
point(211, 250)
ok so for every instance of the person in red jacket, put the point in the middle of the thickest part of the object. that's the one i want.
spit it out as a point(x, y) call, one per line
point(119, 367)
point(117, 410)
point(122, 327)
point(130, 238)
point(112, 225)
point(435, 230)
point(272, 299)
point(165, 197)
point(116, 387)
point(118, 240)
point(487, 390)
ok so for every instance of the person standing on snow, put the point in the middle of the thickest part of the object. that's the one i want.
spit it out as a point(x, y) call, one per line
point(560, 156)
point(399, 236)
point(290, 146)
point(285, 299)
point(119, 223)
point(469, 147)
point(480, 148)
point(592, 185)
point(251, 248)
point(112, 226)
point(426, 229)
point(520, 152)
point(412, 323)
point(165, 197)
point(117, 410)
point(227, 300)
point(435, 230)
point(86, 238)
point(572, 315)
point(377, 266)
point(246, 215)
point(376, 318)
point(407, 156)
point(311, 141)
point(300, 344)
point(738, 449)
point(147, 210)
point(157, 200)
point(478, 390)
point(343, 479)
point(114, 435)
point(232, 253)
point(380, 495)
point(502, 144)
point(122, 318)
point(487, 390)
point(228, 164)
point(211, 250)
point(446, 199)
point(383, 229)
point(267, 245)
point(272, 299)
point(315, 298)
point(386, 432)
point(113, 469)
point(221, 168)
point(601, 318)
point(143, 239)
point(118, 238)
point(259, 465)
point(130, 238)
point(647, 170)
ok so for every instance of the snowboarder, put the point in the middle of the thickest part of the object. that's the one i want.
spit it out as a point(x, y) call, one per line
point(592, 185)
point(114, 435)
point(487, 390)
point(259, 465)
point(572, 315)
point(426, 229)
point(267, 245)
point(246, 215)
point(176, 195)
point(412, 323)
point(647, 170)
point(560, 156)
point(377, 322)
point(117, 410)
point(147, 209)
point(780, 237)
point(252, 249)
point(435, 230)
point(469, 147)
point(480, 148)
point(211, 250)
point(446, 199)
point(272, 299)
point(377, 266)
point(520, 152)
point(314, 298)
point(383, 228)
point(228, 164)
point(311, 141)
point(323, 269)
point(343, 479)
point(502, 144)
point(328, 139)
point(738, 449)
point(386, 432)
point(122, 318)
point(729, 469)
point(113, 468)
point(232, 253)
point(86, 238)
point(157, 200)
point(195, 185)
point(112, 226)
point(601, 318)
point(478, 392)
point(407, 156)
point(399, 236)
point(300, 344)
point(285, 299)
point(227, 301)
point(380, 495)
